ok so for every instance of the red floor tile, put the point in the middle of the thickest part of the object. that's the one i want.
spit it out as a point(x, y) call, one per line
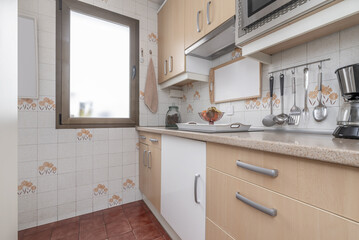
point(126, 236)
point(148, 232)
point(127, 222)
point(44, 235)
point(139, 221)
point(117, 228)
point(65, 231)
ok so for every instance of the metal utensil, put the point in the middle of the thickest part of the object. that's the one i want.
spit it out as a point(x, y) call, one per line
point(281, 118)
point(320, 112)
point(306, 86)
point(295, 112)
point(268, 120)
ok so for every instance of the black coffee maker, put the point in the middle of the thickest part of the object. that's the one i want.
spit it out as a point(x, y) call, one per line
point(348, 116)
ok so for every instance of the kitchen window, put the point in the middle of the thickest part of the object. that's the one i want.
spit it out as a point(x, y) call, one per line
point(96, 67)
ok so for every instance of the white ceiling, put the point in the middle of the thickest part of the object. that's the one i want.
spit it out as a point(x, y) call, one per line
point(157, 1)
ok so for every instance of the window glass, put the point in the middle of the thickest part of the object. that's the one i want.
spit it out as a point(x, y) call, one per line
point(99, 68)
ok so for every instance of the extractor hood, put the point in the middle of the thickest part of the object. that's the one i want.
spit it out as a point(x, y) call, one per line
point(216, 43)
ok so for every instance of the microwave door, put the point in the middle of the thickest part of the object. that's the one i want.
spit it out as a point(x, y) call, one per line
point(253, 10)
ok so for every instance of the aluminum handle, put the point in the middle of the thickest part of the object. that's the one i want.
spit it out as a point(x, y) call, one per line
point(306, 87)
point(294, 90)
point(170, 64)
point(195, 188)
point(165, 67)
point(149, 164)
point(269, 172)
point(270, 211)
point(144, 158)
point(153, 140)
point(198, 29)
point(142, 137)
point(208, 18)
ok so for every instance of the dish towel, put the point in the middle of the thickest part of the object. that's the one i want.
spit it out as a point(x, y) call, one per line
point(151, 96)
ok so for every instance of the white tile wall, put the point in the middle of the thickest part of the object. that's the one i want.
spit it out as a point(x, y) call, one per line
point(78, 165)
point(341, 47)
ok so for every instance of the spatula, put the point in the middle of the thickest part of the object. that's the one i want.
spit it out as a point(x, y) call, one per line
point(295, 112)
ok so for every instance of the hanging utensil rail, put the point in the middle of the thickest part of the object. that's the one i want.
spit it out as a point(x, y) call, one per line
point(301, 65)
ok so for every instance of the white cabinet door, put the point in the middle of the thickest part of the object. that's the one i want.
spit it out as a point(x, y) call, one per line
point(182, 161)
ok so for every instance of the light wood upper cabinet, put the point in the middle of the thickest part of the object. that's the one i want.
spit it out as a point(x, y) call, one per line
point(171, 58)
point(194, 21)
point(202, 16)
point(217, 12)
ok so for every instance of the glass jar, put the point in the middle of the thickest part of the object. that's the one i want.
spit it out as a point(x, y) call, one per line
point(173, 116)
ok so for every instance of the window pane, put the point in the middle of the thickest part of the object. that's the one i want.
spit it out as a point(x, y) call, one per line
point(99, 63)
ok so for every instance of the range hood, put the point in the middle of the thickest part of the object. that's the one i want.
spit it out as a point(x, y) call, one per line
point(216, 43)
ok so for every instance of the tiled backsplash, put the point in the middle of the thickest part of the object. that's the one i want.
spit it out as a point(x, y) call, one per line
point(65, 173)
point(342, 48)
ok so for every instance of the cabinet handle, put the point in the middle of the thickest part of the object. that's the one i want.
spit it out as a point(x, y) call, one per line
point(170, 64)
point(269, 172)
point(270, 211)
point(149, 165)
point(198, 29)
point(208, 18)
point(165, 67)
point(142, 137)
point(144, 158)
point(153, 140)
point(195, 188)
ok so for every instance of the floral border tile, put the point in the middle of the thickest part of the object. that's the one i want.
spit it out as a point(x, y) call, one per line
point(142, 95)
point(196, 96)
point(47, 168)
point(26, 104)
point(266, 101)
point(115, 200)
point(47, 104)
point(129, 184)
point(253, 104)
point(152, 38)
point(100, 190)
point(84, 135)
point(25, 188)
point(189, 108)
point(329, 97)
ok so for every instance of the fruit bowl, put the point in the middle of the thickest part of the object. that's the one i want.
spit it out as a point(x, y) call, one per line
point(211, 115)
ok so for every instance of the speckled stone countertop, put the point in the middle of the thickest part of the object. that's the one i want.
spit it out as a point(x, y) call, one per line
point(314, 146)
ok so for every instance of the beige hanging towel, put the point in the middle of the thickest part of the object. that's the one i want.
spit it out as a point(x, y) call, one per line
point(151, 96)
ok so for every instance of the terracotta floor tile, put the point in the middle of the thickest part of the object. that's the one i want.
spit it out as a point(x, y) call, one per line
point(113, 209)
point(67, 221)
point(65, 231)
point(139, 221)
point(133, 204)
point(94, 234)
point(148, 232)
point(92, 223)
point(160, 238)
point(30, 231)
point(117, 228)
point(134, 211)
point(126, 236)
point(47, 226)
point(44, 235)
point(72, 237)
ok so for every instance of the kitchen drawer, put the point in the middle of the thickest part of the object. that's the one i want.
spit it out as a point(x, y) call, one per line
point(324, 185)
point(151, 139)
point(293, 220)
point(213, 232)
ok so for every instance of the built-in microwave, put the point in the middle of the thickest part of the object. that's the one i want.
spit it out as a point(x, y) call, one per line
point(256, 17)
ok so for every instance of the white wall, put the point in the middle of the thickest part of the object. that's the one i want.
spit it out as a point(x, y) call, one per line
point(8, 119)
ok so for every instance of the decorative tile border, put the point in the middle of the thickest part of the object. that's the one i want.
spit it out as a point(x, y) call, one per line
point(189, 108)
point(184, 98)
point(84, 135)
point(328, 96)
point(266, 101)
point(236, 53)
point(252, 104)
point(25, 188)
point(100, 190)
point(196, 96)
point(152, 38)
point(129, 184)
point(26, 104)
point(142, 95)
point(47, 169)
point(115, 200)
point(47, 104)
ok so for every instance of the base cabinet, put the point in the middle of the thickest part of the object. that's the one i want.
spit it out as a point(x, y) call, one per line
point(183, 197)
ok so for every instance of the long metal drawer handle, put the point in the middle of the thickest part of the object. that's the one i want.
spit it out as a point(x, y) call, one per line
point(170, 64)
point(142, 137)
point(149, 165)
point(165, 67)
point(208, 18)
point(153, 140)
point(198, 29)
point(265, 171)
point(195, 188)
point(270, 211)
point(144, 158)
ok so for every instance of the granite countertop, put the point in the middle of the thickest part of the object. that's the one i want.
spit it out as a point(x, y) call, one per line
point(314, 146)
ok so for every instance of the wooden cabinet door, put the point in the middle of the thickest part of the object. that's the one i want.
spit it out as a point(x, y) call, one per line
point(154, 177)
point(217, 12)
point(175, 44)
point(143, 168)
point(163, 34)
point(194, 8)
